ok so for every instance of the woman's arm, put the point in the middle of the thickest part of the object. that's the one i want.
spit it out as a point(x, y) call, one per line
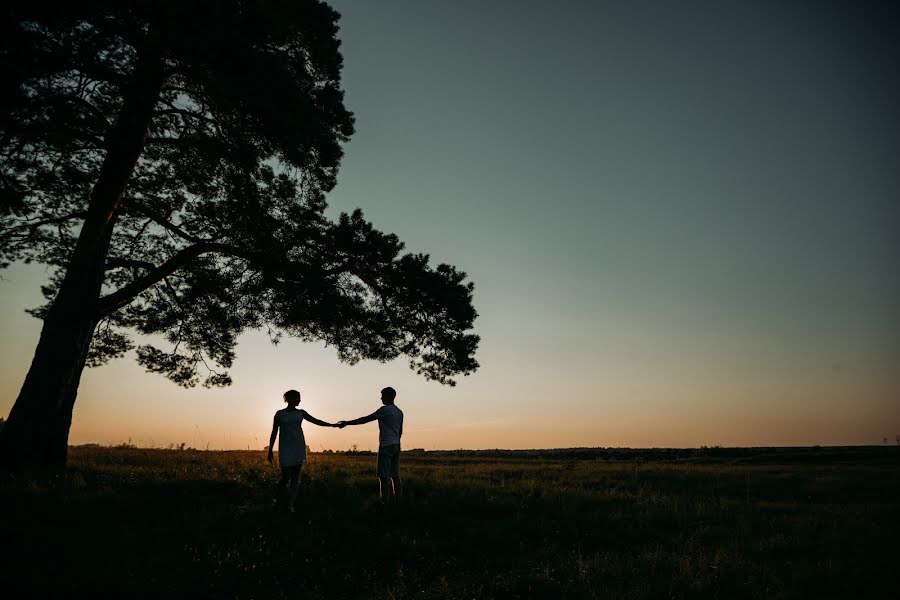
point(273, 436)
point(312, 419)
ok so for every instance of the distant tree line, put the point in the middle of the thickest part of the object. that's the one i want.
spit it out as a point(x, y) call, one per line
point(761, 455)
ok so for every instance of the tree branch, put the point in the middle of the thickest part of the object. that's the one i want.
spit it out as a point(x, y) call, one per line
point(165, 223)
point(170, 141)
point(379, 293)
point(99, 114)
point(32, 227)
point(115, 263)
point(187, 114)
point(124, 295)
point(181, 90)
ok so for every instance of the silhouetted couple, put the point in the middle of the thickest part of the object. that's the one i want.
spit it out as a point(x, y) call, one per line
point(292, 444)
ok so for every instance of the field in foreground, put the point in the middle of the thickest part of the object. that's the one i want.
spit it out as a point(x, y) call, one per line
point(753, 524)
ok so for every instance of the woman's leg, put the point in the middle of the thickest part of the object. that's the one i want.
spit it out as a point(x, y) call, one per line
point(280, 487)
point(295, 485)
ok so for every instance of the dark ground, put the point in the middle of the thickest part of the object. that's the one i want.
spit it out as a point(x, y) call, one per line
point(585, 523)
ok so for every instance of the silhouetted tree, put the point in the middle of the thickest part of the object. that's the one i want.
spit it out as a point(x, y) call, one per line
point(168, 161)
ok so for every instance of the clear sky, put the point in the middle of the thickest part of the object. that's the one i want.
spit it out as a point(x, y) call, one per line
point(681, 218)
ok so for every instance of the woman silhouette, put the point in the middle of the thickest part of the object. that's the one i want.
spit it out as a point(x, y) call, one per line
point(291, 445)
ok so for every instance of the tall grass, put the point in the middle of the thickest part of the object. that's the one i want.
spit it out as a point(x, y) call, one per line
point(170, 523)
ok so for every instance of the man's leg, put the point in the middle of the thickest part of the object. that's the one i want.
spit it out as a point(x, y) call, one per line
point(397, 485)
point(395, 473)
point(385, 491)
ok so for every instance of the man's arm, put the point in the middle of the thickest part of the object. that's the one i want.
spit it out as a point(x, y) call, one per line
point(361, 420)
point(312, 419)
point(273, 436)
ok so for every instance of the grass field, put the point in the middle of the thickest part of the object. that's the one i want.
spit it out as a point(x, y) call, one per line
point(815, 523)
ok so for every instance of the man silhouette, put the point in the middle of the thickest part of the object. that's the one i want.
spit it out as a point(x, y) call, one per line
point(390, 429)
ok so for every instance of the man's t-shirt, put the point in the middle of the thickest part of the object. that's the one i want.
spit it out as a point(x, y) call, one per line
point(390, 425)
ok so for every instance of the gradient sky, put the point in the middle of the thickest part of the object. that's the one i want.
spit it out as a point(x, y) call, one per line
point(681, 219)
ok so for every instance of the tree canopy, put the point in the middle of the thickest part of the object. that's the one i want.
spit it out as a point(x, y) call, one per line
point(221, 227)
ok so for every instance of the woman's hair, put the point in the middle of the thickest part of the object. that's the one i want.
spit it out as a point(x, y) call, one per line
point(291, 395)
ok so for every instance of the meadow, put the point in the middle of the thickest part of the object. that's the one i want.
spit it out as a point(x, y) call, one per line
point(713, 523)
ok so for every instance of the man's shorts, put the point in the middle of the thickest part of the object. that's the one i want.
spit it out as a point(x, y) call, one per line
point(389, 461)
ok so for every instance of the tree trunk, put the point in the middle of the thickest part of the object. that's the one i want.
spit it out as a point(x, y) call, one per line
point(36, 435)
point(37, 432)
